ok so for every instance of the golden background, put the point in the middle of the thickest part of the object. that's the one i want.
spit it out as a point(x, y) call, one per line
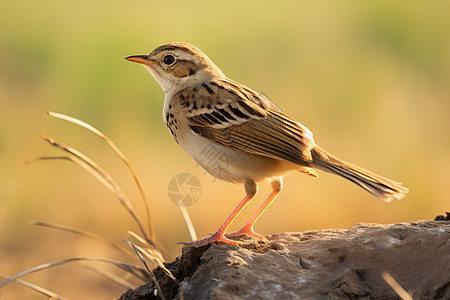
point(371, 79)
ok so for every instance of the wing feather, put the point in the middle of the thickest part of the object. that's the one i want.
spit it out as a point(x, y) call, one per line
point(232, 115)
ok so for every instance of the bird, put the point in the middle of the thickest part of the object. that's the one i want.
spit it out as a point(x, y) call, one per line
point(240, 136)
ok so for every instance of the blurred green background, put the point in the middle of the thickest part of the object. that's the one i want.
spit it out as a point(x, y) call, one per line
point(371, 79)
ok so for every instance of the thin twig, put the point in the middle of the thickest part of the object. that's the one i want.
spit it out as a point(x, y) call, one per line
point(396, 286)
point(187, 220)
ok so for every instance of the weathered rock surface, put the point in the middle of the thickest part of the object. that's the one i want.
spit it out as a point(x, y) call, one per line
point(323, 264)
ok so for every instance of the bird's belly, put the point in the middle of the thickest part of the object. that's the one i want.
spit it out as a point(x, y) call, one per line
point(232, 165)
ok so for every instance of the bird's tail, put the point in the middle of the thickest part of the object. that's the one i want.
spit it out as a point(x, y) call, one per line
point(377, 185)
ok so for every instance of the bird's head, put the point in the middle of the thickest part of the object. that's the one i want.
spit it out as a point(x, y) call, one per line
point(176, 65)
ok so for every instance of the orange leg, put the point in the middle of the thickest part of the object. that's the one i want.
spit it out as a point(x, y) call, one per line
point(247, 229)
point(218, 236)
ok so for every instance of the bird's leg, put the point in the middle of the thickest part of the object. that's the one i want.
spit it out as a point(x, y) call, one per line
point(247, 229)
point(218, 236)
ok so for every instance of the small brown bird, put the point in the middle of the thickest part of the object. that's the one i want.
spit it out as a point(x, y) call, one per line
point(239, 135)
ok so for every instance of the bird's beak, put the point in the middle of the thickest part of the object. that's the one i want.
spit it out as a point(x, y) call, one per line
point(142, 59)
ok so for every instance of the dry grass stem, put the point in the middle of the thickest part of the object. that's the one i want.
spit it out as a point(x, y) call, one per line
point(156, 253)
point(83, 233)
point(149, 244)
point(101, 175)
point(123, 158)
point(132, 269)
point(36, 288)
point(150, 257)
point(150, 253)
point(396, 286)
point(110, 276)
point(152, 276)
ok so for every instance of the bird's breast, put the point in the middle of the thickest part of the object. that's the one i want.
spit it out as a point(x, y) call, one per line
point(222, 162)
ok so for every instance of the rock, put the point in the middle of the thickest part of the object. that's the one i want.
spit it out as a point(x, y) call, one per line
point(323, 264)
point(442, 218)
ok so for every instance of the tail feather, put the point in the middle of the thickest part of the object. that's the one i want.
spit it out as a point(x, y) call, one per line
point(375, 184)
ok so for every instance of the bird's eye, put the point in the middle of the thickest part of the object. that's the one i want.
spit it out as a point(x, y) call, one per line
point(169, 59)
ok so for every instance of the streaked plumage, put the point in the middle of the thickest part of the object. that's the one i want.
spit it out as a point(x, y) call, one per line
point(239, 135)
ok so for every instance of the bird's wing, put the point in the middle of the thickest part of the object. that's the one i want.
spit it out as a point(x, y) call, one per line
point(232, 115)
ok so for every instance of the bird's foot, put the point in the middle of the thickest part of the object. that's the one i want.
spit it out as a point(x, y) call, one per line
point(215, 237)
point(246, 230)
